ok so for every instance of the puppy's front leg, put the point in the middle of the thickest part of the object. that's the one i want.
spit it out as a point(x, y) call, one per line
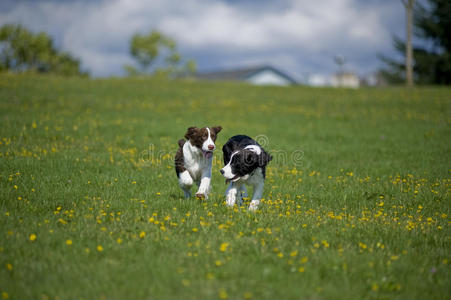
point(185, 182)
point(204, 186)
point(258, 193)
point(231, 194)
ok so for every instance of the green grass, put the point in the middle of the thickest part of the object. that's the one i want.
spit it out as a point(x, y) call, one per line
point(362, 212)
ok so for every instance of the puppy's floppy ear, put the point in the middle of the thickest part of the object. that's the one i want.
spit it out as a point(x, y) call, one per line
point(250, 158)
point(264, 159)
point(191, 132)
point(216, 129)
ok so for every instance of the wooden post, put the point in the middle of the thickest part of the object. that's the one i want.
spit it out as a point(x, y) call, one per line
point(408, 4)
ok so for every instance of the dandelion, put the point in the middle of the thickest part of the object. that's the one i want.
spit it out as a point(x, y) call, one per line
point(218, 263)
point(222, 294)
point(185, 282)
point(119, 240)
point(294, 253)
point(99, 248)
point(5, 295)
point(247, 295)
point(142, 234)
point(32, 237)
point(223, 247)
point(301, 269)
point(9, 267)
point(69, 242)
point(195, 229)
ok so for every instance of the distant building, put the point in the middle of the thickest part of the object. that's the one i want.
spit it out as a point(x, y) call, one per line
point(318, 80)
point(345, 79)
point(263, 75)
point(374, 79)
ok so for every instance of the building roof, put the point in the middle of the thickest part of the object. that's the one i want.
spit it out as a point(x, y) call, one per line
point(242, 74)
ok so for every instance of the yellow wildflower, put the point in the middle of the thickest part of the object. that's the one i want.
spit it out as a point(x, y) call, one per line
point(223, 247)
point(222, 294)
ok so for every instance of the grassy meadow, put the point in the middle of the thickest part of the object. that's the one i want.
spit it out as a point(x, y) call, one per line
point(357, 201)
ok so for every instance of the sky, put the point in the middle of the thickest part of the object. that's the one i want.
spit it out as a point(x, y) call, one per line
point(299, 37)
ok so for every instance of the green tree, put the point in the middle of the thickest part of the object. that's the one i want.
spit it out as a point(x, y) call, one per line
point(432, 62)
point(24, 51)
point(147, 49)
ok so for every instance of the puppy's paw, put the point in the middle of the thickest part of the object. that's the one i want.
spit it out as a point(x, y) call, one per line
point(253, 206)
point(230, 203)
point(200, 196)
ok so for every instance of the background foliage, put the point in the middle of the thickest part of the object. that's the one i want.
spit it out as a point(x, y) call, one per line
point(24, 51)
point(432, 60)
point(147, 48)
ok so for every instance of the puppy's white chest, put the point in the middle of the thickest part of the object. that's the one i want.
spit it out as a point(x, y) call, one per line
point(194, 163)
point(195, 169)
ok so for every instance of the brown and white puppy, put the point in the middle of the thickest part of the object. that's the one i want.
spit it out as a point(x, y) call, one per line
point(194, 158)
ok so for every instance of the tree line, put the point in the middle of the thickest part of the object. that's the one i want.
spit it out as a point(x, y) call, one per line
point(431, 59)
point(23, 51)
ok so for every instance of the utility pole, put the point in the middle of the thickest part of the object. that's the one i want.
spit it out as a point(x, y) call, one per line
point(408, 4)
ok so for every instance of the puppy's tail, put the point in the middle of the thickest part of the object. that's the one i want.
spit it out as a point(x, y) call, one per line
point(181, 142)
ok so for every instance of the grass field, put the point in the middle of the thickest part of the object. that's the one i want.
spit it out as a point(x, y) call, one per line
point(357, 202)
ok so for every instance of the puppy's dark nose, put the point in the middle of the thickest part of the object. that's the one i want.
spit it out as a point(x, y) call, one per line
point(211, 147)
point(222, 171)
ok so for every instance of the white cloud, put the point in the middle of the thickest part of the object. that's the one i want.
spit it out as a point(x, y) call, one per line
point(300, 36)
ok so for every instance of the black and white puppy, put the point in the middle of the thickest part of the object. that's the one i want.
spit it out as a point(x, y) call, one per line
point(245, 163)
point(194, 158)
